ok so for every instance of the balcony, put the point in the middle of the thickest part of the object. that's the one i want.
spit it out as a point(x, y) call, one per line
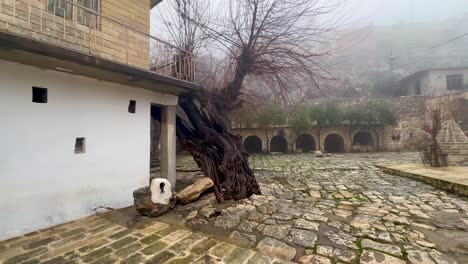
point(75, 27)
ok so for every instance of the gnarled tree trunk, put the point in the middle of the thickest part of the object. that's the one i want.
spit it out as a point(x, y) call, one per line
point(205, 133)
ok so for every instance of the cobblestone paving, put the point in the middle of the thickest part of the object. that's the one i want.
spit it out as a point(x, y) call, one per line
point(340, 210)
point(313, 210)
point(98, 240)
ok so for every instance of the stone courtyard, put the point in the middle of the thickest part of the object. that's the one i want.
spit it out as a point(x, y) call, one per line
point(339, 209)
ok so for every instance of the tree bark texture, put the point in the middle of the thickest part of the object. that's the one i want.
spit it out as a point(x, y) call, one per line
point(204, 131)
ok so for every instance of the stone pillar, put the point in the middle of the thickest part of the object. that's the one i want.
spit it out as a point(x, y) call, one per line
point(168, 144)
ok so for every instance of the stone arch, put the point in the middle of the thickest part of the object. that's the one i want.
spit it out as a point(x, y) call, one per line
point(278, 143)
point(306, 143)
point(253, 144)
point(334, 143)
point(363, 138)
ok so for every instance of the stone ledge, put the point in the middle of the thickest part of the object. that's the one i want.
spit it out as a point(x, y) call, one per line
point(453, 179)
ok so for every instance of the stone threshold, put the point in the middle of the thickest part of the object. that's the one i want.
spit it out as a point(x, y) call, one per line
point(453, 179)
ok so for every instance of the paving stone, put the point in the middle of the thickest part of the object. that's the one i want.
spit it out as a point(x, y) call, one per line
point(203, 246)
point(276, 248)
point(302, 237)
point(304, 224)
point(128, 250)
point(154, 248)
point(371, 257)
point(150, 239)
point(258, 217)
point(222, 249)
point(107, 259)
point(161, 257)
point(227, 221)
point(238, 255)
point(123, 242)
point(39, 243)
point(276, 231)
point(97, 254)
point(247, 226)
point(133, 259)
point(314, 259)
point(93, 245)
point(260, 259)
point(120, 234)
point(25, 256)
point(392, 249)
point(188, 258)
point(419, 257)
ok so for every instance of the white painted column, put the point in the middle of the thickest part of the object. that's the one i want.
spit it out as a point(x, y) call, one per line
point(168, 144)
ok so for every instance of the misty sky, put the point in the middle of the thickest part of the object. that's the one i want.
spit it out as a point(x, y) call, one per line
point(386, 12)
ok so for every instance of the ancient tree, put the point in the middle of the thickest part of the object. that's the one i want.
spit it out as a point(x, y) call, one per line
point(276, 42)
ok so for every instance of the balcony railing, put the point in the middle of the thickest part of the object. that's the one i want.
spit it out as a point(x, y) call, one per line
point(71, 25)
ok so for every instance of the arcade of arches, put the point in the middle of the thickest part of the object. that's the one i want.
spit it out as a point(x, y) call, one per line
point(333, 139)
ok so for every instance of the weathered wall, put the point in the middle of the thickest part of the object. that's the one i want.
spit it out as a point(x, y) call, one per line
point(43, 182)
point(112, 41)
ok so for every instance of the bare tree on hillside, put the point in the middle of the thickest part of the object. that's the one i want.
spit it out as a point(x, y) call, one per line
point(277, 41)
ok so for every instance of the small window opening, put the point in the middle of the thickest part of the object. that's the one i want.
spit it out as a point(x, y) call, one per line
point(80, 145)
point(132, 106)
point(39, 95)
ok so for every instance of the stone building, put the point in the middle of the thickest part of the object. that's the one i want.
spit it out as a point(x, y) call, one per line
point(435, 82)
point(80, 80)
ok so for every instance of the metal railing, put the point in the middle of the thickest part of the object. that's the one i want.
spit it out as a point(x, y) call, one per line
point(71, 25)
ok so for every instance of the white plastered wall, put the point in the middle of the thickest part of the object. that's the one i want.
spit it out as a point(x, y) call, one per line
point(42, 181)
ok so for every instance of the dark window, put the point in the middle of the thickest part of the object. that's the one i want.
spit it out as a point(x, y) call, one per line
point(61, 8)
point(80, 145)
point(132, 106)
point(88, 18)
point(39, 95)
point(455, 82)
point(418, 87)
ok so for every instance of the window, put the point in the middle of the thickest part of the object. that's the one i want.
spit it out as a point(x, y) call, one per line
point(84, 16)
point(132, 106)
point(455, 82)
point(88, 18)
point(60, 8)
point(39, 95)
point(418, 87)
point(80, 145)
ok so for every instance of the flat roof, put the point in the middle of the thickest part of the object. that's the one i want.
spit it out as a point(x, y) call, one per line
point(418, 73)
point(28, 51)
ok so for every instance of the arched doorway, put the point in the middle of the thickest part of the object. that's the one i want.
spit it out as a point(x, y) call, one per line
point(334, 143)
point(364, 140)
point(305, 142)
point(278, 144)
point(253, 144)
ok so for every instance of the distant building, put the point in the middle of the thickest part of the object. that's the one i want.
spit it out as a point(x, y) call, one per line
point(80, 82)
point(435, 82)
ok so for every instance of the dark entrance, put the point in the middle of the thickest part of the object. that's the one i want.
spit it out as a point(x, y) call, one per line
point(305, 142)
point(363, 138)
point(253, 144)
point(278, 144)
point(334, 143)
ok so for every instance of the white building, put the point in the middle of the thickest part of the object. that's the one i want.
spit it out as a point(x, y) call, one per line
point(75, 113)
point(435, 82)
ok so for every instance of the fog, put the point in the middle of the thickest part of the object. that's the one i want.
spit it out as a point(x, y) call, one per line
point(388, 12)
